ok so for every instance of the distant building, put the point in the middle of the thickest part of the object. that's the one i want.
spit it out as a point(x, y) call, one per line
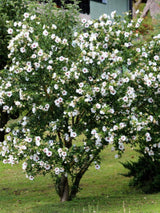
point(95, 8)
point(99, 7)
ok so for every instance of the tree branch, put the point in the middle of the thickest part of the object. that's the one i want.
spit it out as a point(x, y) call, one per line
point(147, 8)
point(135, 7)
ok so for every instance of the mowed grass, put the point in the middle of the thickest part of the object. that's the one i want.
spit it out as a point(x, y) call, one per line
point(103, 191)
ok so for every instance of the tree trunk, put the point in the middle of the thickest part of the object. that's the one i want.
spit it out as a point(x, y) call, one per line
point(135, 7)
point(153, 6)
point(62, 188)
point(75, 187)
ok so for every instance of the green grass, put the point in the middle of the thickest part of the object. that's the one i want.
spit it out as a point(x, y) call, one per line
point(103, 191)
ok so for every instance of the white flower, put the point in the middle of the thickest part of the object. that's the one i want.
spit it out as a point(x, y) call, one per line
point(85, 70)
point(123, 138)
point(45, 150)
point(53, 36)
point(26, 15)
point(111, 111)
point(10, 31)
point(22, 50)
point(57, 171)
point(97, 166)
point(64, 154)
point(35, 158)
point(26, 34)
point(98, 106)
point(29, 140)
point(104, 128)
point(29, 69)
point(113, 92)
point(5, 161)
point(84, 20)
point(150, 100)
point(37, 140)
point(37, 65)
point(31, 177)
point(34, 56)
point(49, 153)
point(73, 134)
point(121, 146)
point(144, 54)
point(64, 41)
point(47, 167)
point(81, 84)
point(54, 26)
point(125, 98)
point(137, 25)
point(138, 50)
point(113, 14)
point(57, 39)
point(56, 86)
point(126, 34)
point(40, 52)
point(148, 138)
point(79, 91)
point(45, 33)
point(106, 39)
point(24, 166)
point(5, 107)
point(9, 94)
point(33, 17)
point(64, 92)
point(151, 153)
point(156, 57)
point(93, 110)
point(34, 45)
point(8, 129)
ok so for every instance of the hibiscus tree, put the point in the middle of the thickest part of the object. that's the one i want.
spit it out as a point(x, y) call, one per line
point(71, 89)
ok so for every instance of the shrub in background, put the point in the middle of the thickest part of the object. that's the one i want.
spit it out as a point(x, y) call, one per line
point(144, 119)
point(145, 173)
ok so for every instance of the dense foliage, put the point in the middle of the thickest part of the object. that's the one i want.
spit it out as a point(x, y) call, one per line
point(9, 11)
point(145, 173)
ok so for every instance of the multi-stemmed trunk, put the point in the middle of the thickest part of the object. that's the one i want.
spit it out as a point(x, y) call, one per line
point(67, 192)
point(62, 187)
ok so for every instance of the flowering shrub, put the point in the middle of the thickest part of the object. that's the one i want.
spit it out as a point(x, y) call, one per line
point(80, 91)
point(109, 51)
point(9, 11)
point(145, 117)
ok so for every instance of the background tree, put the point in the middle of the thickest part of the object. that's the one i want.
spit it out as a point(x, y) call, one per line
point(151, 5)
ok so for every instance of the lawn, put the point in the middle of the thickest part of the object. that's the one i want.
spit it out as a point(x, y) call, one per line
point(103, 191)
